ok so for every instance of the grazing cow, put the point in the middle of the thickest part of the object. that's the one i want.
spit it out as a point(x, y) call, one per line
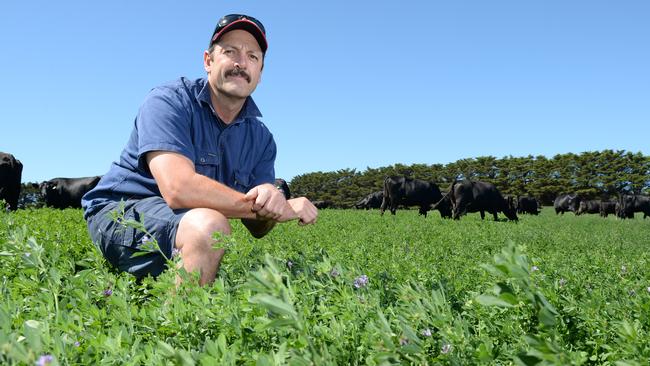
point(66, 192)
point(444, 206)
point(11, 171)
point(409, 192)
point(474, 196)
point(527, 205)
point(372, 200)
point(588, 206)
point(566, 202)
point(323, 204)
point(607, 207)
point(631, 203)
point(283, 187)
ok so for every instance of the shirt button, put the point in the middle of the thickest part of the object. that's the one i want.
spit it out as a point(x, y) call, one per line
point(203, 160)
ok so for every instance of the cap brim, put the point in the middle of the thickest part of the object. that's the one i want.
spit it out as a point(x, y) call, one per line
point(248, 26)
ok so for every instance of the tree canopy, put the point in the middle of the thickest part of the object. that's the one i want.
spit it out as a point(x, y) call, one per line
point(593, 175)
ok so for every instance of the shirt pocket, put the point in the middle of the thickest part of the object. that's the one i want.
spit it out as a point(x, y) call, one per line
point(207, 163)
point(243, 180)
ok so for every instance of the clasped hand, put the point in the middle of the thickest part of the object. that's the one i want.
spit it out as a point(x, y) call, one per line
point(269, 203)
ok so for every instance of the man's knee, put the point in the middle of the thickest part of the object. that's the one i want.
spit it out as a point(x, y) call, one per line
point(200, 224)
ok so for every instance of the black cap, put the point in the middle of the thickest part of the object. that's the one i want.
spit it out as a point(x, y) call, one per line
point(240, 21)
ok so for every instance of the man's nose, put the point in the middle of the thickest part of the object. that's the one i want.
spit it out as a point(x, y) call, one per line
point(240, 62)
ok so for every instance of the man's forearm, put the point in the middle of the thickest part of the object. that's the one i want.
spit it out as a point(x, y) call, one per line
point(201, 191)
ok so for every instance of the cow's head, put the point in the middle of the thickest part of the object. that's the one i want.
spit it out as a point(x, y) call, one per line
point(47, 187)
point(443, 206)
point(510, 209)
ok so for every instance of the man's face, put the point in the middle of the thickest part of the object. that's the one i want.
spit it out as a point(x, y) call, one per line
point(235, 65)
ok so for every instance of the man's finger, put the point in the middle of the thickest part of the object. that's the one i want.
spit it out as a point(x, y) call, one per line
point(252, 194)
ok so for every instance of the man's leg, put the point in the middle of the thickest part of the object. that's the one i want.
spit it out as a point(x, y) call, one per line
point(194, 240)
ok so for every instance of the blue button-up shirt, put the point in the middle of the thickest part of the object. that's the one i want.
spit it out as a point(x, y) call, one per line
point(179, 117)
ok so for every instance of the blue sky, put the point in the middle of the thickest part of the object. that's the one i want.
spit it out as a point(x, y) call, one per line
point(347, 84)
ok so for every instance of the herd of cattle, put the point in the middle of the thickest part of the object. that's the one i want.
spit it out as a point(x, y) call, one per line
point(461, 197)
point(475, 196)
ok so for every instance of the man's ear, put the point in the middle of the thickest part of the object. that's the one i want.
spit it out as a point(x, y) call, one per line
point(207, 61)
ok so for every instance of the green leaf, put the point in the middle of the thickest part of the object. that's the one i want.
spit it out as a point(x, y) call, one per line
point(489, 300)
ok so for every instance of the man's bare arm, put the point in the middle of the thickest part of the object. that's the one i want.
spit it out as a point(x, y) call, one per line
point(182, 187)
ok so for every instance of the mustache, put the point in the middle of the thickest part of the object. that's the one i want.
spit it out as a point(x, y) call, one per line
point(238, 72)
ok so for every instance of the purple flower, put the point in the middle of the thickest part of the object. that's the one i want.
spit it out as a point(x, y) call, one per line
point(108, 292)
point(534, 269)
point(426, 332)
point(623, 269)
point(361, 281)
point(176, 252)
point(562, 282)
point(335, 273)
point(648, 289)
point(44, 360)
point(446, 348)
point(145, 239)
point(77, 344)
point(289, 264)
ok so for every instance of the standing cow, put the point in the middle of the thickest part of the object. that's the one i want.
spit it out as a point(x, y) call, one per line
point(588, 206)
point(527, 205)
point(409, 192)
point(566, 202)
point(372, 200)
point(631, 203)
point(444, 206)
point(283, 187)
point(67, 192)
point(607, 207)
point(475, 196)
point(11, 171)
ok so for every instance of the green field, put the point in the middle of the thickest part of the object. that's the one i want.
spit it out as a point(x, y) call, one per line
point(546, 290)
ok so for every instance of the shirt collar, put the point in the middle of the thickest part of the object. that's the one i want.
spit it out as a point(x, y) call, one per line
point(249, 110)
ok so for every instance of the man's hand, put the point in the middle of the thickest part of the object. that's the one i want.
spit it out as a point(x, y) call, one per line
point(268, 202)
point(304, 210)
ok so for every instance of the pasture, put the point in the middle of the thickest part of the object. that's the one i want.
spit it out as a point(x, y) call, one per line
point(356, 288)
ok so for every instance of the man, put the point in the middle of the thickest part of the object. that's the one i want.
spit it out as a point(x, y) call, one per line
point(198, 156)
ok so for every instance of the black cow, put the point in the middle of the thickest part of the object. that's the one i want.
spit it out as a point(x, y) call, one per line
point(372, 200)
point(66, 192)
point(444, 206)
point(588, 206)
point(323, 204)
point(527, 205)
point(566, 202)
point(409, 192)
point(11, 171)
point(475, 196)
point(607, 207)
point(283, 187)
point(631, 203)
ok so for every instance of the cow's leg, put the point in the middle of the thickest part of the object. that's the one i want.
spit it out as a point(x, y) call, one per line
point(384, 203)
point(494, 213)
point(482, 215)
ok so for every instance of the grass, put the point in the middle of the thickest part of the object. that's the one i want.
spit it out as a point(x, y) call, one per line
point(546, 290)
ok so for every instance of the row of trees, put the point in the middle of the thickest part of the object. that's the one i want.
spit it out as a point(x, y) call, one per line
point(598, 174)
